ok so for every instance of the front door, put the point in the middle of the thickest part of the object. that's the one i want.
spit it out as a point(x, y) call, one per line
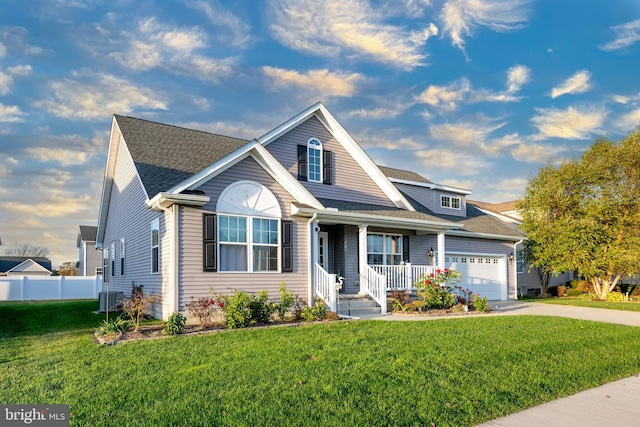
point(323, 250)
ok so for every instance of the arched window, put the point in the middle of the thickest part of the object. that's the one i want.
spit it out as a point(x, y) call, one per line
point(314, 156)
point(248, 229)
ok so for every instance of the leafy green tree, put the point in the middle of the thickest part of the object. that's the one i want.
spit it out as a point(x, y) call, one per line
point(544, 272)
point(584, 214)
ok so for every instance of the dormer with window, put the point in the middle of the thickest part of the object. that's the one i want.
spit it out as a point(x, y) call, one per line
point(314, 163)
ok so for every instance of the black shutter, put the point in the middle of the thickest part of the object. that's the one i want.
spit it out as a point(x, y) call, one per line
point(327, 167)
point(405, 248)
point(302, 162)
point(287, 246)
point(210, 259)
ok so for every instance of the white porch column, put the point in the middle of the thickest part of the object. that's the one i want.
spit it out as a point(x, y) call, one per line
point(313, 259)
point(441, 250)
point(362, 253)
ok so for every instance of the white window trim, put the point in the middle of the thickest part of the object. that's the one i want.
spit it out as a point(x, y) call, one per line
point(122, 257)
point(519, 263)
point(249, 244)
point(384, 252)
point(320, 148)
point(451, 198)
point(155, 225)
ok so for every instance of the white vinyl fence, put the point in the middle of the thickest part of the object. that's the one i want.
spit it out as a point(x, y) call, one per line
point(25, 288)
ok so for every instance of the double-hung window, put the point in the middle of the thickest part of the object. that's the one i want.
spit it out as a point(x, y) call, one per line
point(384, 249)
point(122, 256)
point(155, 246)
point(519, 262)
point(450, 202)
point(248, 243)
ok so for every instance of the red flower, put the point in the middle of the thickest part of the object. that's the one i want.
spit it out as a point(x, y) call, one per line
point(446, 270)
point(211, 302)
point(438, 271)
point(435, 285)
point(432, 275)
point(221, 303)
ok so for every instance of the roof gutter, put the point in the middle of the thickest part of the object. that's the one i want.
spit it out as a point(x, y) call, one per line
point(483, 235)
point(356, 218)
point(164, 200)
point(431, 186)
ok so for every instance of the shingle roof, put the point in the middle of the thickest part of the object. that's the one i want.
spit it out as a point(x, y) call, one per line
point(8, 262)
point(476, 221)
point(386, 211)
point(402, 174)
point(88, 233)
point(166, 155)
point(495, 207)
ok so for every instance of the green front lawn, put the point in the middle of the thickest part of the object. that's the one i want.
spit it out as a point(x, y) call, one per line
point(611, 305)
point(448, 372)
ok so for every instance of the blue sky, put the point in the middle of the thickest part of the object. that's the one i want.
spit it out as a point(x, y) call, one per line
point(476, 94)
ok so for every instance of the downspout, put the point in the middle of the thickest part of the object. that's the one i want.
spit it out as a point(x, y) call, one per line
point(515, 253)
point(310, 270)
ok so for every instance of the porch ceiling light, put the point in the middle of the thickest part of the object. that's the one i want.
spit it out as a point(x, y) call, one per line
point(430, 253)
point(511, 257)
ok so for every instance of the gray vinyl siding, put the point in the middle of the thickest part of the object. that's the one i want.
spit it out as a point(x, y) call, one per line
point(419, 246)
point(93, 259)
point(129, 218)
point(349, 182)
point(430, 199)
point(351, 275)
point(195, 282)
point(456, 244)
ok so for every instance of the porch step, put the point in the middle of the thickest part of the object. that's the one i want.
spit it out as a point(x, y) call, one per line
point(357, 305)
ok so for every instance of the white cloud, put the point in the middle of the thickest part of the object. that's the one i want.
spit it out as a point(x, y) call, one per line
point(379, 112)
point(402, 143)
point(517, 76)
point(461, 17)
point(63, 156)
point(239, 32)
point(572, 123)
point(578, 83)
point(347, 27)
point(415, 8)
point(322, 82)
point(174, 49)
point(104, 95)
point(5, 82)
point(536, 153)
point(475, 135)
point(625, 35)
point(3, 50)
point(628, 122)
point(20, 70)
point(10, 113)
point(446, 97)
point(56, 204)
point(452, 160)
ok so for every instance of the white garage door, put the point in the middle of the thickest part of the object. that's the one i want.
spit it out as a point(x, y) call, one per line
point(484, 275)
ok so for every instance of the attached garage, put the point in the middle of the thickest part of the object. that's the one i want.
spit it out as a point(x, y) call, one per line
point(483, 274)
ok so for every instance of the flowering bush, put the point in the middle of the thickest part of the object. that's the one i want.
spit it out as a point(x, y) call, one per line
point(204, 309)
point(436, 289)
point(480, 304)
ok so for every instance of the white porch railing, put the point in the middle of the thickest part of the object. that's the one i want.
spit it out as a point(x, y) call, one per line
point(325, 287)
point(401, 277)
point(374, 285)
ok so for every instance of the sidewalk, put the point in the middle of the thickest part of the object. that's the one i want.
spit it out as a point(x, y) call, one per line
point(613, 404)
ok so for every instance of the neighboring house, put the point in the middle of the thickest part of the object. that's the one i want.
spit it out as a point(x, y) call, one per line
point(528, 279)
point(89, 259)
point(183, 211)
point(24, 266)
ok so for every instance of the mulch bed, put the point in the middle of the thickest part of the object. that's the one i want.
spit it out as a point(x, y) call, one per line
point(155, 331)
point(442, 312)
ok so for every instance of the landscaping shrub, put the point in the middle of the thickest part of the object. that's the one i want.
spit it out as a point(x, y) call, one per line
point(138, 305)
point(332, 316)
point(480, 304)
point(562, 291)
point(317, 312)
point(203, 309)
point(287, 301)
point(261, 308)
point(237, 312)
point(589, 297)
point(574, 292)
point(615, 296)
point(585, 286)
point(115, 325)
point(175, 324)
